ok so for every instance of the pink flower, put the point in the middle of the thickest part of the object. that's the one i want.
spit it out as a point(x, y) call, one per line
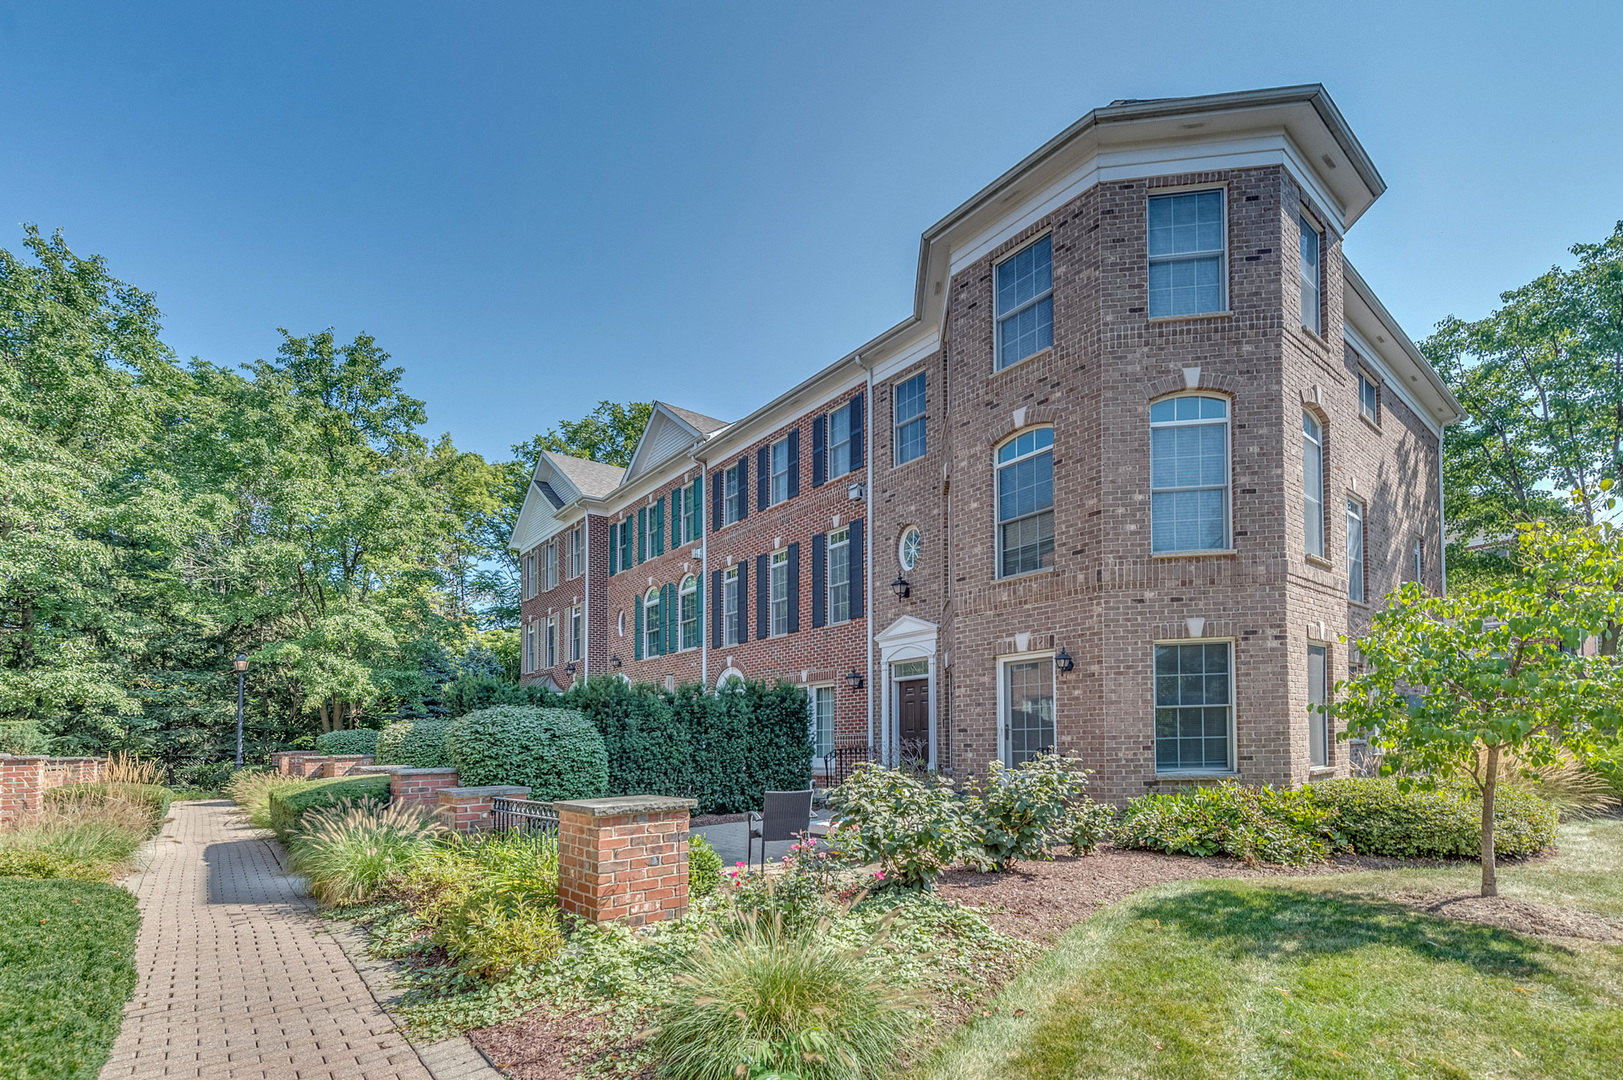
point(740, 862)
point(879, 874)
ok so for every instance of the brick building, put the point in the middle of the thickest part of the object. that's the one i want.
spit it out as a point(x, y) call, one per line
point(1145, 450)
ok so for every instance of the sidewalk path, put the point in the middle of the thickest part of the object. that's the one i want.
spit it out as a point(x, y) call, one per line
point(234, 979)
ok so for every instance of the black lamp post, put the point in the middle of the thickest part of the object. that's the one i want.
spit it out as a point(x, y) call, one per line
point(241, 665)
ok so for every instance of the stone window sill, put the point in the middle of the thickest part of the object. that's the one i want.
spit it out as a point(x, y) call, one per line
point(1202, 554)
point(1156, 320)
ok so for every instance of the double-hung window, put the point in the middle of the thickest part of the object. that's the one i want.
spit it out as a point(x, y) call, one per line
point(1318, 699)
point(839, 575)
point(1187, 254)
point(778, 491)
point(1194, 707)
point(577, 551)
point(1313, 485)
point(529, 646)
point(839, 441)
point(1312, 244)
point(549, 560)
point(650, 623)
point(733, 495)
point(690, 513)
point(688, 602)
point(729, 606)
point(551, 641)
point(1025, 503)
point(576, 619)
point(778, 567)
point(821, 700)
point(1355, 551)
point(1189, 474)
point(1025, 303)
point(1369, 399)
point(909, 436)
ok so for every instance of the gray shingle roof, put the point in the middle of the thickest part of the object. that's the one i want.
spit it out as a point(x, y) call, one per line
point(594, 479)
point(705, 424)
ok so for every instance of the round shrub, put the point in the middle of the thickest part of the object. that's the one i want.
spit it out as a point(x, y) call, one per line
point(704, 868)
point(419, 744)
point(1378, 818)
point(351, 741)
point(557, 753)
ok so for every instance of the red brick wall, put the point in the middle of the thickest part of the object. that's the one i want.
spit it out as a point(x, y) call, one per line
point(631, 866)
point(569, 592)
point(420, 787)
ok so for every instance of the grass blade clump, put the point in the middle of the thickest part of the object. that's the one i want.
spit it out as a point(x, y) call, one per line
point(492, 901)
point(87, 836)
point(349, 852)
point(251, 789)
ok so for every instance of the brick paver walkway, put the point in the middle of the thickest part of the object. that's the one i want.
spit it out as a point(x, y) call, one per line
point(235, 982)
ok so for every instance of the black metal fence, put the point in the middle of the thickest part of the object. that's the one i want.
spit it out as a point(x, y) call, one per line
point(838, 765)
point(523, 815)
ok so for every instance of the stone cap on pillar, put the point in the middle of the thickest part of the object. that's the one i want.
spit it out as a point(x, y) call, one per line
point(494, 790)
point(438, 770)
point(620, 805)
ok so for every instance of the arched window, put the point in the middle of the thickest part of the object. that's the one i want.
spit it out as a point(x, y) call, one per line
point(650, 623)
point(688, 603)
point(1189, 474)
point(1313, 484)
point(731, 674)
point(1025, 503)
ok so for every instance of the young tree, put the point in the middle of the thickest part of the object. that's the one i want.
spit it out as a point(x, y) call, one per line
point(1450, 684)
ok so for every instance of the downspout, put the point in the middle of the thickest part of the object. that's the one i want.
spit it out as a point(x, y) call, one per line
point(867, 556)
point(586, 606)
point(704, 567)
point(1442, 515)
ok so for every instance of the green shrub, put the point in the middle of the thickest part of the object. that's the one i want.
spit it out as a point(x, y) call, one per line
point(251, 789)
point(22, 737)
point(1018, 813)
point(1233, 819)
point(156, 799)
point(766, 1003)
point(1378, 818)
point(67, 965)
point(471, 693)
point(418, 744)
point(1088, 825)
point(34, 863)
point(557, 753)
point(349, 852)
point(87, 836)
point(200, 779)
point(348, 741)
point(288, 804)
point(491, 901)
point(704, 867)
point(911, 825)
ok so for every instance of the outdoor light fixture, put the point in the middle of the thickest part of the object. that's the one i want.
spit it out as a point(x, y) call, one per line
point(615, 660)
point(1063, 661)
point(240, 665)
point(569, 669)
point(901, 588)
point(854, 679)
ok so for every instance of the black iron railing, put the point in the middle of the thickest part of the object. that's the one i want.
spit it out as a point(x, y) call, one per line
point(523, 815)
point(839, 764)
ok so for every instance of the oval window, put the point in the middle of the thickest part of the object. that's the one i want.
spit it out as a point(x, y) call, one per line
point(912, 543)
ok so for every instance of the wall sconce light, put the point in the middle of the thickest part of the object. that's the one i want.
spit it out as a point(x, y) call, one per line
point(901, 588)
point(854, 679)
point(1063, 661)
point(569, 669)
point(615, 660)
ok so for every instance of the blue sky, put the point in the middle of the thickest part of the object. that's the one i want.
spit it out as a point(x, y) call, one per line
point(534, 206)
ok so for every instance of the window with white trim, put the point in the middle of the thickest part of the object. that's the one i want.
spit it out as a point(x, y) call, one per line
point(1312, 244)
point(1189, 474)
point(1356, 583)
point(1369, 398)
point(1187, 253)
point(1318, 699)
point(1025, 303)
point(688, 605)
point(778, 592)
point(1028, 709)
point(529, 647)
point(1419, 558)
point(821, 705)
point(577, 622)
point(839, 441)
point(577, 550)
point(1194, 707)
point(778, 462)
point(550, 644)
point(1313, 485)
point(729, 606)
point(733, 495)
point(650, 623)
point(908, 407)
point(549, 566)
point(839, 575)
point(1025, 503)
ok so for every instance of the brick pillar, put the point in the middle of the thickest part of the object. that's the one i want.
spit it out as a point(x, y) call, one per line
point(419, 787)
point(624, 858)
point(300, 763)
point(343, 764)
point(22, 788)
point(467, 809)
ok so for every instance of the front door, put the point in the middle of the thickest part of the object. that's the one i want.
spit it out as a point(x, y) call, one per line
point(913, 720)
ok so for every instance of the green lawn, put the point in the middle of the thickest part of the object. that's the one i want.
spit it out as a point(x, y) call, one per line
point(66, 968)
point(1318, 978)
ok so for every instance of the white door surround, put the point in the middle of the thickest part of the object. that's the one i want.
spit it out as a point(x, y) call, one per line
point(905, 639)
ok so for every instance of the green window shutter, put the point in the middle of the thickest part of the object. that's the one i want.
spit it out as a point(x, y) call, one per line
point(667, 608)
point(698, 605)
point(656, 527)
point(676, 518)
point(658, 625)
point(636, 641)
point(698, 506)
point(614, 552)
point(642, 534)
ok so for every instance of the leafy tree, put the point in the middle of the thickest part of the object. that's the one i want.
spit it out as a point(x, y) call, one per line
point(1450, 684)
point(1541, 380)
point(608, 433)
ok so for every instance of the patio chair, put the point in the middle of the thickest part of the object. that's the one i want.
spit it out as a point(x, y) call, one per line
point(786, 815)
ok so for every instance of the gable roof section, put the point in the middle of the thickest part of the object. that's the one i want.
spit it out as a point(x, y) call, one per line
point(670, 431)
point(556, 482)
point(594, 479)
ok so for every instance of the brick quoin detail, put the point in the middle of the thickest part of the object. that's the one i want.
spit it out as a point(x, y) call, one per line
point(624, 859)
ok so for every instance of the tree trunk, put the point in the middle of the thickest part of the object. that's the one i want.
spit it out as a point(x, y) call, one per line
point(1490, 882)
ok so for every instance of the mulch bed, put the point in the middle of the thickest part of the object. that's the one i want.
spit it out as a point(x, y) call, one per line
point(536, 1046)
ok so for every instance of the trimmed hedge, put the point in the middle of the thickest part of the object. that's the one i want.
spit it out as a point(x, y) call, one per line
point(152, 796)
point(1379, 819)
point(288, 805)
point(1233, 819)
point(350, 741)
point(419, 744)
point(725, 749)
point(557, 753)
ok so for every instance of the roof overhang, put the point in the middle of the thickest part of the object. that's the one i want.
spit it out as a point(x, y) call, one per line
point(1376, 334)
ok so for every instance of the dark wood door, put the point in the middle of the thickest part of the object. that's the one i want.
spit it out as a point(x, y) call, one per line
point(913, 719)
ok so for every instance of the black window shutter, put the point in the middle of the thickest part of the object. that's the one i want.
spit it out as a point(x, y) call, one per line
point(743, 487)
point(794, 463)
point(614, 553)
point(819, 570)
point(763, 598)
point(763, 478)
point(698, 502)
point(857, 441)
point(856, 568)
point(743, 626)
point(642, 534)
point(667, 613)
point(794, 587)
point(718, 490)
point(676, 518)
point(819, 450)
point(715, 609)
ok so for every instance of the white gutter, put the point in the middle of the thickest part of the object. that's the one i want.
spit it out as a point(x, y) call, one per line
point(1442, 517)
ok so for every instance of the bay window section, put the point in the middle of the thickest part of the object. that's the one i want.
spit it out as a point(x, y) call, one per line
point(1189, 475)
point(1025, 303)
point(1028, 709)
point(1313, 485)
point(1025, 503)
point(1355, 551)
point(1194, 708)
point(1187, 254)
